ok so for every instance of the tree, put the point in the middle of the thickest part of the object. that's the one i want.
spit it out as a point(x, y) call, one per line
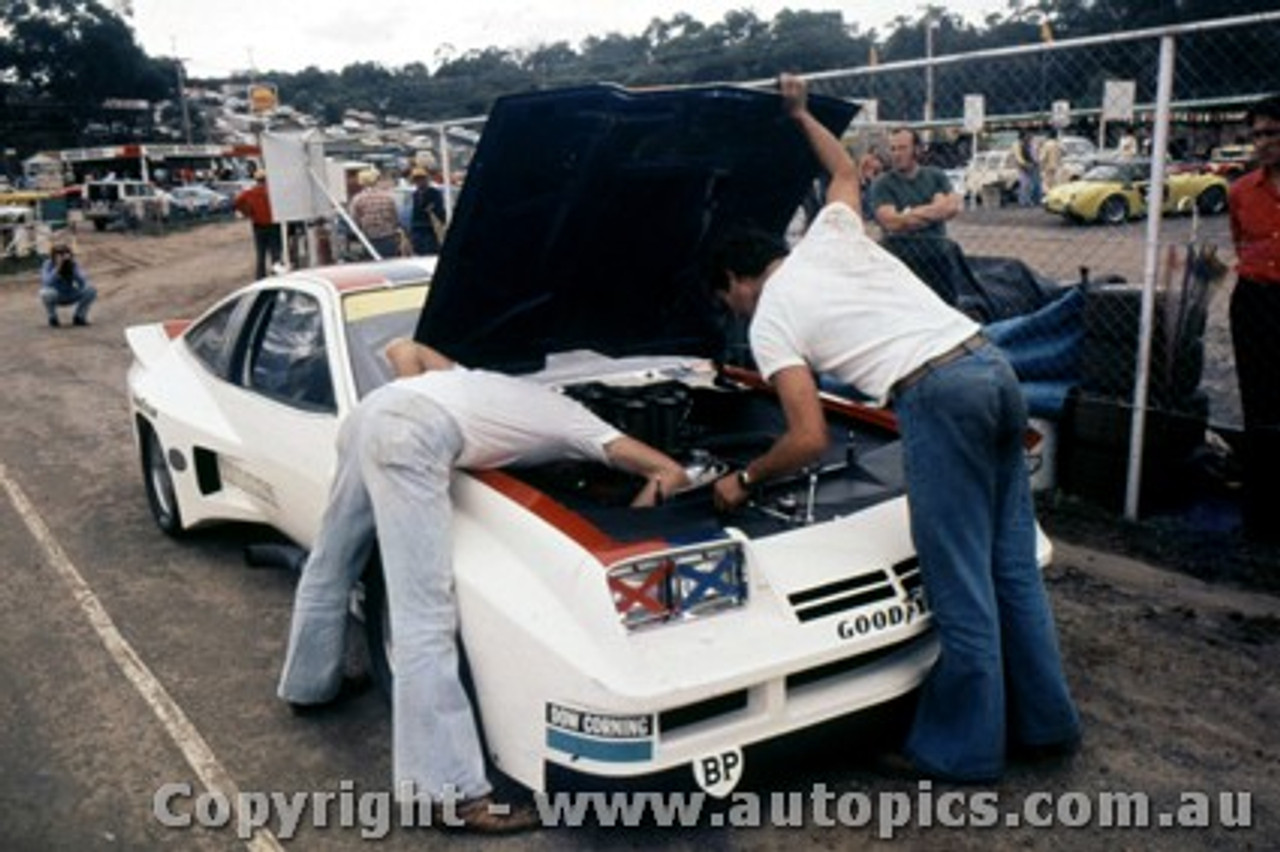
point(77, 52)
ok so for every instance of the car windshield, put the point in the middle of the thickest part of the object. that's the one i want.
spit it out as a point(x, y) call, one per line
point(373, 319)
point(1110, 173)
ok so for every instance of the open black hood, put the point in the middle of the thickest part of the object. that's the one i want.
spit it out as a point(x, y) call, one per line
point(586, 212)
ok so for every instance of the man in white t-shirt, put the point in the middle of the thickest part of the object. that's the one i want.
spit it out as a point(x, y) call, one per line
point(396, 454)
point(840, 304)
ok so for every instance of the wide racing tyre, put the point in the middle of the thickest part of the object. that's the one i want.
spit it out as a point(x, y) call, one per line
point(377, 625)
point(162, 498)
point(377, 632)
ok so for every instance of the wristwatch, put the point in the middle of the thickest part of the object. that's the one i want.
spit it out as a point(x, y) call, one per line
point(745, 480)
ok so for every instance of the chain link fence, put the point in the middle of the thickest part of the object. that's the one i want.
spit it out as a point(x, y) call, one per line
point(1116, 316)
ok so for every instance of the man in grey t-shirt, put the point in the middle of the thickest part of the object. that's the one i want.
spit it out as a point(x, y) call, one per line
point(912, 199)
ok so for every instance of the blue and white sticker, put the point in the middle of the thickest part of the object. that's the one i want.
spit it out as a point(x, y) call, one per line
point(605, 737)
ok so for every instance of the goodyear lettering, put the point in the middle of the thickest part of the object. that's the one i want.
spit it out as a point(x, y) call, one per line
point(895, 615)
point(599, 724)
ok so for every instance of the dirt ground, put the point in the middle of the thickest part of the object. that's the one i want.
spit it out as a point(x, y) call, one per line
point(1173, 659)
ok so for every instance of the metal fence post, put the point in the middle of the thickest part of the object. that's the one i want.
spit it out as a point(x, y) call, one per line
point(1155, 215)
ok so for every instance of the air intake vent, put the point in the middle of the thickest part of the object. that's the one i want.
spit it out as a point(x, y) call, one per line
point(908, 573)
point(842, 595)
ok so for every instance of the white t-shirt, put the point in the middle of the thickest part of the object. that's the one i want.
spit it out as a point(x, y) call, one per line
point(845, 306)
point(505, 420)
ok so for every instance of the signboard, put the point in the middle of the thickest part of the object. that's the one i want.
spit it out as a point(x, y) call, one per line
point(263, 98)
point(1061, 114)
point(155, 152)
point(290, 160)
point(975, 113)
point(79, 155)
point(161, 152)
point(1117, 100)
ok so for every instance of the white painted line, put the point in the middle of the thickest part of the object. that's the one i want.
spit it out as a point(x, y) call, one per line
point(203, 761)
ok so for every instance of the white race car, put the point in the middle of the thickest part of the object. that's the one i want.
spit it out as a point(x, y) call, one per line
point(605, 643)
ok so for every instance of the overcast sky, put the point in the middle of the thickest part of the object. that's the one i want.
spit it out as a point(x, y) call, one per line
point(216, 37)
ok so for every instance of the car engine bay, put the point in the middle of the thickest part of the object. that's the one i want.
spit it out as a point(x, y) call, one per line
point(714, 425)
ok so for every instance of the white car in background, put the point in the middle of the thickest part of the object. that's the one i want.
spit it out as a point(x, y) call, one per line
point(196, 201)
point(1078, 156)
point(606, 644)
point(992, 176)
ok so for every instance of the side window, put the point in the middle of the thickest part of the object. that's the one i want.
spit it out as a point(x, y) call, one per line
point(208, 340)
point(289, 361)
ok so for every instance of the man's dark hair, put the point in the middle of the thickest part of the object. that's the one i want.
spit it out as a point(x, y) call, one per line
point(1268, 107)
point(743, 250)
point(915, 134)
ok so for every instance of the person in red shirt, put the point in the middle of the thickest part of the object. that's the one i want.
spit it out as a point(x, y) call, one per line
point(1255, 319)
point(255, 204)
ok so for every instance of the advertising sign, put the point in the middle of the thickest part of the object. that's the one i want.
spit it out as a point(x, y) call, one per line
point(263, 98)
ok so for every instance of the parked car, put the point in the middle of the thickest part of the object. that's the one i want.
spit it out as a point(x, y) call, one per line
point(1231, 161)
point(197, 201)
point(994, 171)
point(229, 189)
point(1116, 191)
point(110, 201)
point(603, 641)
point(1078, 156)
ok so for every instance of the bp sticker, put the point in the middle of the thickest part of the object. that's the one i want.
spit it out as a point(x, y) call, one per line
point(719, 773)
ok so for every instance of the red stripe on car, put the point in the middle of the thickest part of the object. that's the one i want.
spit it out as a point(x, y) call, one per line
point(600, 544)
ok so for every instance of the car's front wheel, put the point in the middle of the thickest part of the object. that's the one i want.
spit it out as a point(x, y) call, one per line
point(1114, 211)
point(1212, 201)
point(377, 632)
point(377, 626)
point(162, 498)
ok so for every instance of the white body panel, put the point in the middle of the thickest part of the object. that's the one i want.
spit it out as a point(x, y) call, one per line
point(546, 645)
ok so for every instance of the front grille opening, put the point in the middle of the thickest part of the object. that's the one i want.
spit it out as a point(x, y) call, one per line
point(840, 668)
point(676, 718)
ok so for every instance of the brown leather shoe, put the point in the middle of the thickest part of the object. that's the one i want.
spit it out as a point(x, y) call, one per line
point(483, 815)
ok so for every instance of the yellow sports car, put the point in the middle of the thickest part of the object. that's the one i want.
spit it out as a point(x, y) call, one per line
point(1116, 191)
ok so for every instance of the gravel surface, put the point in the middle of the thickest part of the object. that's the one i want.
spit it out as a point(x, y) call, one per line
point(1173, 659)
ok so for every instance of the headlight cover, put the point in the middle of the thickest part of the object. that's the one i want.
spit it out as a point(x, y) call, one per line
point(677, 585)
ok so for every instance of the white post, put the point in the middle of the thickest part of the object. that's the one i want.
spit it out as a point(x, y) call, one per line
point(928, 76)
point(1155, 205)
point(446, 171)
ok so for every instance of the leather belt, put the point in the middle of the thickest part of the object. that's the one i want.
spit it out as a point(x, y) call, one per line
point(937, 362)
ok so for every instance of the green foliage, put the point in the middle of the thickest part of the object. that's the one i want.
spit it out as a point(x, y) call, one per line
point(77, 53)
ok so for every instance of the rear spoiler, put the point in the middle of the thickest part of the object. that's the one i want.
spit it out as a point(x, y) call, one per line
point(149, 342)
